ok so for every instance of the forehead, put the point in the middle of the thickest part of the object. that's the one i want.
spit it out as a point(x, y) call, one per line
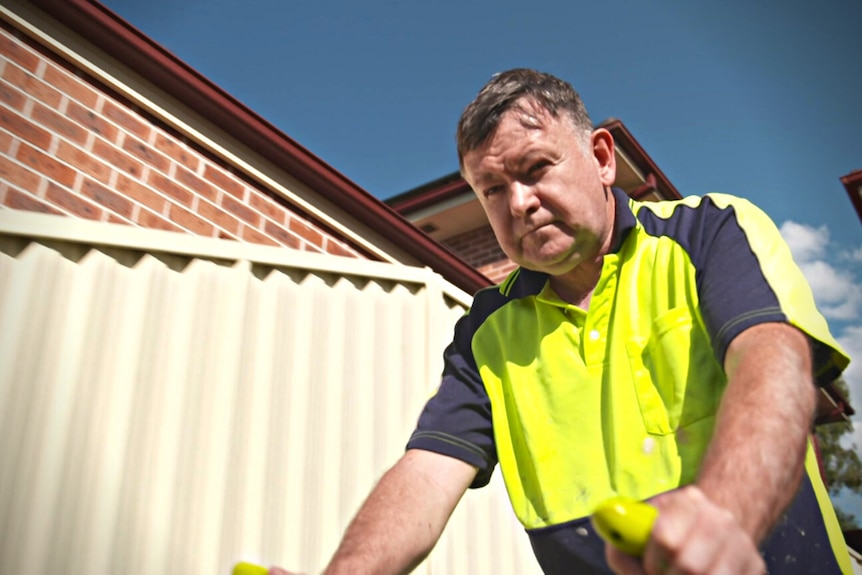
point(521, 130)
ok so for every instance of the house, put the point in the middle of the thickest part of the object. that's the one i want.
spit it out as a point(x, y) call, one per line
point(213, 342)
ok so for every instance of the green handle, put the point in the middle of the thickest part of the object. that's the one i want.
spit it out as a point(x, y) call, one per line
point(249, 569)
point(625, 523)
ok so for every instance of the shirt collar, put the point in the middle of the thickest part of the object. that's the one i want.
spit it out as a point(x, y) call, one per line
point(529, 282)
point(624, 219)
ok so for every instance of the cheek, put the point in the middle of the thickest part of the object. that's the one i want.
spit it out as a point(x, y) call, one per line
point(498, 215)
point(502, 231)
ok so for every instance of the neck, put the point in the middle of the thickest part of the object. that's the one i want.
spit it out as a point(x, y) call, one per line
point(576, 287)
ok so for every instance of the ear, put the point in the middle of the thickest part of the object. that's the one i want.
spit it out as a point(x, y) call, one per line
point(603, 152)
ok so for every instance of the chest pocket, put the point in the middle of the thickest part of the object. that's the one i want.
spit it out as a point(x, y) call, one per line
point(675, 375)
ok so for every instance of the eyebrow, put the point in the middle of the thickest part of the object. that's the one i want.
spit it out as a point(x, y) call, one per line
point(483, 179)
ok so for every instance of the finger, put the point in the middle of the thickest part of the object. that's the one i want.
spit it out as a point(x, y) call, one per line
point(621, 563)
point(713, 540)
point(671, 534)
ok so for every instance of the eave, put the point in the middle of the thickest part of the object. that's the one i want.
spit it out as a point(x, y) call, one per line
point(113, 35)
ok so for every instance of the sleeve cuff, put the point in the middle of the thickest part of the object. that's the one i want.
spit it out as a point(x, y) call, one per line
point(456, 447)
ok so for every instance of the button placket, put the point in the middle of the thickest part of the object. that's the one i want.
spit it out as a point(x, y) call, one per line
point(596, 326)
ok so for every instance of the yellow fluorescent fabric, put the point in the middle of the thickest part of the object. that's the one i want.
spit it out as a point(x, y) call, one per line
point(620, 399)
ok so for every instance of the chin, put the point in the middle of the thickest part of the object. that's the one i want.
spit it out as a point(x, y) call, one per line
point(554, 269)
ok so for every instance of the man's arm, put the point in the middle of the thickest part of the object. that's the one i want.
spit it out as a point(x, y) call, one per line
point(405, 514)
point(756, 458)
point(753, 465)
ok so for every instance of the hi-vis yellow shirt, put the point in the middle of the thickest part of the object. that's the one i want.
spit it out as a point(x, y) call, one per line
point(578, 406)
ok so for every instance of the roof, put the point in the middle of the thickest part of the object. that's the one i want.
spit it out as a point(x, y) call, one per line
point(110, 33)
point(853, 184)
point(655, 178)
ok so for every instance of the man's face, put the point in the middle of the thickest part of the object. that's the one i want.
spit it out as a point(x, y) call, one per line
point(543, 192)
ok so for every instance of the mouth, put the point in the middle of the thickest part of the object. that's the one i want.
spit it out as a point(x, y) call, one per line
point(535, 228)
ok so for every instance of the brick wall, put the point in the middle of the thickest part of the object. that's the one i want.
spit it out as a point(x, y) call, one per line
point(480, 249)
point(70, 146)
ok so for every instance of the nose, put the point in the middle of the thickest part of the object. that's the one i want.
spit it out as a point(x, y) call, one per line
point(523, 199)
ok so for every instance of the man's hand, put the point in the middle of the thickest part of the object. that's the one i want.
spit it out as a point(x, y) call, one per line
point(403, 517)
point(752, 467)
point(691, 535)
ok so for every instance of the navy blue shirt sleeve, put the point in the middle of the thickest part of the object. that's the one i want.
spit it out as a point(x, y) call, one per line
point(456, 421)
point(734, 294)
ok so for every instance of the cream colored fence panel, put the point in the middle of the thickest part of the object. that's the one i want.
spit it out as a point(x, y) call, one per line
point(171, 404)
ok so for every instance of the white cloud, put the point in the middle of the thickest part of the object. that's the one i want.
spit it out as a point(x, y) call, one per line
point(837, 291)
point(851, 340)
point(832, 273)
point(806, 243)
point(855, 255)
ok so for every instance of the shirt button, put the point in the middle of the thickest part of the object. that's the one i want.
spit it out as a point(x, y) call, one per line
point(648, 445)
point(594, 334)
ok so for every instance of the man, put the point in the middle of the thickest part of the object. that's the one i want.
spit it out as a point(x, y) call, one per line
point(663, 351)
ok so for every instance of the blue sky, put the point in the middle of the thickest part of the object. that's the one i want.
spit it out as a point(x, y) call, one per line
point(758, 99)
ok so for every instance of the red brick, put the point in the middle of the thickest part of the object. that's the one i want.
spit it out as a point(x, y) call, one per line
point(196, 184)
point(17, 52)
point(126, 119)
point(240, 210)
point(18, 175)
point(336, 249)
point(117, 220)
point(218, 216)
point(177, 152)
point(72, 203)
point(140, 193)
point(117, 158)
point(146, 153)
point(11, 96)
point(281, 234)
point(170, 188)
point(222, 180)
point(266, 206)
point(46, 165)
point(91, 120)
point(84, 161)
point(5, 142)
point(24, 129)
point(32, 86)
point(18, 200)
point(148, 219)
point(251, 235)
point(58, 124)
point(305, 231)
point(72, 86)
point(190, 221)
point(115, 203)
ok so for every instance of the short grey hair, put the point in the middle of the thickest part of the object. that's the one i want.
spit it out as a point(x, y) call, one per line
point(504, 91)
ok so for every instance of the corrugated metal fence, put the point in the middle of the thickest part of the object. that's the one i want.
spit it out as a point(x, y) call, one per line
point(172, 404)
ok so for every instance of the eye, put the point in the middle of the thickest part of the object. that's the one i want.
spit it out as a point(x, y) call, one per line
point(488, 192)
point(538, 166)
